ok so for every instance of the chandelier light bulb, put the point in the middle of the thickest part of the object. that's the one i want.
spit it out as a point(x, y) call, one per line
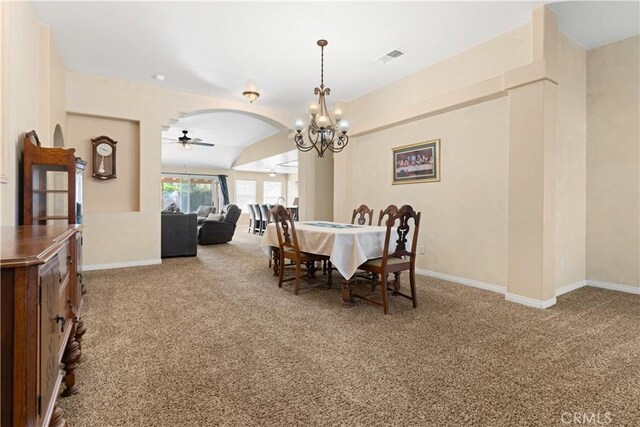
point(337, 113)
point(344, 126)
point(299, 125)
point(313, 109)
point(323, 121)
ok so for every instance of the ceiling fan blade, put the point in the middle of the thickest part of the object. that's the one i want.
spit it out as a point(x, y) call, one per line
point(204, 144)
point(170, 139)
point(196, 140)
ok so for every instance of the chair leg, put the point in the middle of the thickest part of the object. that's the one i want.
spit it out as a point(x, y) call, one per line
point(412, 282)
point(281, 275)
point(383, 288)
point(250, 225)
point(329, 268)
point(296, 289)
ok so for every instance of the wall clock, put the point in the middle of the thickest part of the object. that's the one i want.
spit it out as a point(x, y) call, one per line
point(104, 158)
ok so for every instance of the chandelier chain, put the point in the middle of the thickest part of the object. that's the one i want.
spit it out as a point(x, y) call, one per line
point(322, 67)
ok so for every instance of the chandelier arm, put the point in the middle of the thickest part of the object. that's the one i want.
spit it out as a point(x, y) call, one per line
point(301, 144)
point(343, 140)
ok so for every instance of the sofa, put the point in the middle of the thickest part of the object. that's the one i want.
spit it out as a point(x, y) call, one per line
point(178, 234)
point(203, 212)
point(219, 228)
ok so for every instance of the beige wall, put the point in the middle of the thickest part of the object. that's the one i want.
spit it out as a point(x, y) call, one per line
point(571, 164)
point(464, 216)
point(32, 95)
point(121, 194)
point(520, 235)
point(134, 237)
point(613, 165)
point(464, 222)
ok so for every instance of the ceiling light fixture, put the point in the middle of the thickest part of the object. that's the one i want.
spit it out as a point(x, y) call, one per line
point(184, 146)
point(251, 91)
point(324, 133)
point(160, 77)
point(272, 172)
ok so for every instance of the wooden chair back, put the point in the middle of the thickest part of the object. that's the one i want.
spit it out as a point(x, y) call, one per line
point(362, 212)
point(386, 212)
point(401, 221)
point(286, 229)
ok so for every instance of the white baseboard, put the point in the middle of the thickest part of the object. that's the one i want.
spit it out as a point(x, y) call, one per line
point(530, 302)
point(614, 286)
point(125, 264)
point(572, 287)
point(462, 281)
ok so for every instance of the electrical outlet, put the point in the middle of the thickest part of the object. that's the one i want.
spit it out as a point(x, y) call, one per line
point(421, 249)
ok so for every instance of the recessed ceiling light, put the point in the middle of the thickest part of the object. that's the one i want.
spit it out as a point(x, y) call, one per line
point(160, 77)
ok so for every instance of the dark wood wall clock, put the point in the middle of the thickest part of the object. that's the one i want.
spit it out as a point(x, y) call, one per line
point(104, 158)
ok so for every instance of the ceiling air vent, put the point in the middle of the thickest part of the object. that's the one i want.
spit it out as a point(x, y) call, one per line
point(390, 56)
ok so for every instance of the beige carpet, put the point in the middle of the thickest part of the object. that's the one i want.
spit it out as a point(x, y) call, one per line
point(213, 341)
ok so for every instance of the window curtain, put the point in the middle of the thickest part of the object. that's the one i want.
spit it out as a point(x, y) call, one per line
point(224, 188)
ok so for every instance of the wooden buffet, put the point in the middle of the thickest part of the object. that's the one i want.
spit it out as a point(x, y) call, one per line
point(41, 300)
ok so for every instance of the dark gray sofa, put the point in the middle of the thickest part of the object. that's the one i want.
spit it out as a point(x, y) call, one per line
point(179, 234)
point(213, 232)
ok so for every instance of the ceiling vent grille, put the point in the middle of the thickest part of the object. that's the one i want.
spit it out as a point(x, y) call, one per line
point(390, 56)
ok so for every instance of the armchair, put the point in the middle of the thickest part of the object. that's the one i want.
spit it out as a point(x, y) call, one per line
point(220, 231)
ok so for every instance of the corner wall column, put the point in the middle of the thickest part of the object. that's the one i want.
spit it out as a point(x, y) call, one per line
point(532, 180)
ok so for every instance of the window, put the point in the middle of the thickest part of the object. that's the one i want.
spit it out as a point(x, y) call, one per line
point(245, 193)
point(272, 192)
point(187, 193)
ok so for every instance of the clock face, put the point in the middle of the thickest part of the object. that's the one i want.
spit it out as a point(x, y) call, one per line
point(104, 149)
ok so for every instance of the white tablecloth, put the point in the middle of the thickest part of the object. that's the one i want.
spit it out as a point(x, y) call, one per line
point(347, 248)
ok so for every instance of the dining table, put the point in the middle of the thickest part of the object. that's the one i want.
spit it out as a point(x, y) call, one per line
point(347, 245)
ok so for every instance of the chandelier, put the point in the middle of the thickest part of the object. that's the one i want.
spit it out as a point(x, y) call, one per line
point(323, 132)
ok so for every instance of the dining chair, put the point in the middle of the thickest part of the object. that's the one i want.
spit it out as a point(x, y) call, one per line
point(266, 218)
point(252, 217)
point(289, 248)
point(362, 212)
point(386, 212)
point(257, 226)
point(397, 258)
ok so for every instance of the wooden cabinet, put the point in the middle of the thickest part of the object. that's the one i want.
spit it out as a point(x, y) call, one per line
point(52, 184)
point(41, 298)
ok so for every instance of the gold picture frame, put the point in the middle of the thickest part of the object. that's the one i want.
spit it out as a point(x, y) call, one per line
point(415, 163)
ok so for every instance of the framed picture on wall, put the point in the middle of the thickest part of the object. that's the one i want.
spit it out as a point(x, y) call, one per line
point(417, 163)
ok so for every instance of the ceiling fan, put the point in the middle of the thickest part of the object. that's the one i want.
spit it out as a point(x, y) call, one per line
point(184, 142)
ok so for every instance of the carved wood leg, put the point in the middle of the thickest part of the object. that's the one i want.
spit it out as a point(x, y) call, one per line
point(57, 417)
point(70, 360)
point(347, 297)
point(396, 282)
point(81, 329)
point(83, 290)
point(275, 257)
point(329, 268)
point(311, 269)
